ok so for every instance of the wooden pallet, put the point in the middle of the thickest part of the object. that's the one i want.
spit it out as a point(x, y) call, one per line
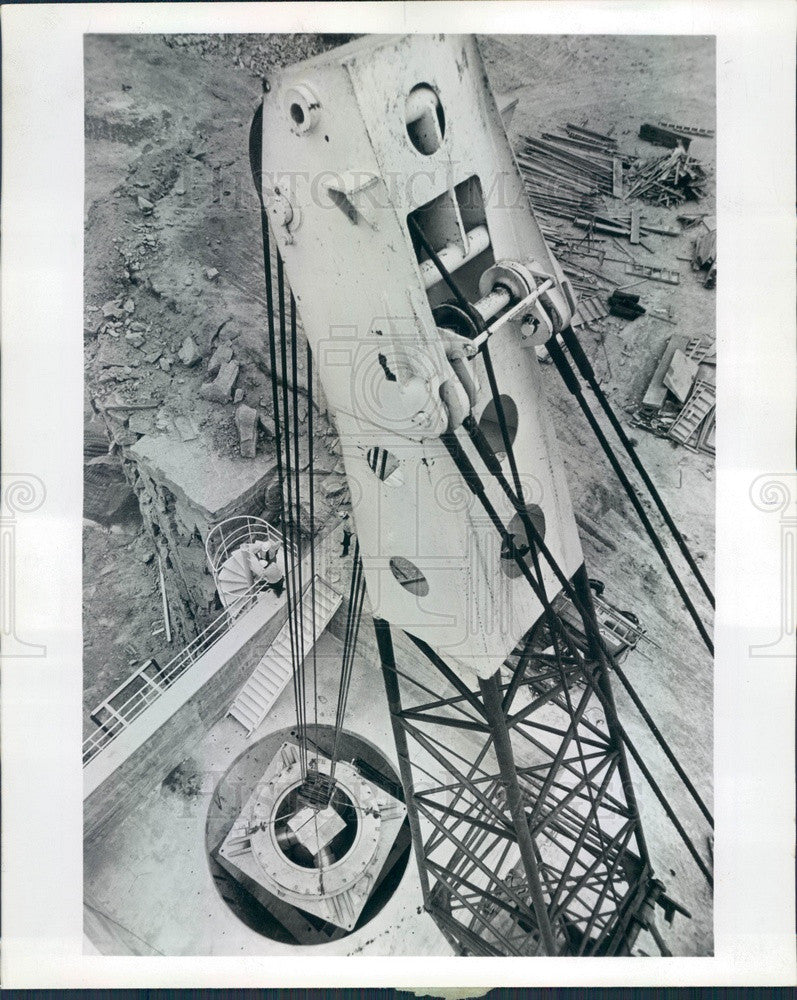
point(696, 349)
point(696, 409)
point(705, 439)
point(654, 273)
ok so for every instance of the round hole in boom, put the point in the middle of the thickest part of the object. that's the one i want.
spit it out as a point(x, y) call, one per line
point(517, 529)
point(490, 426)
point(425, 119)
point(297, 113)
point(409, 576)
point(385, 466)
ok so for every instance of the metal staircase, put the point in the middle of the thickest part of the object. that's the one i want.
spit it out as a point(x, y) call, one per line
point(256, 698)
point(225, 549)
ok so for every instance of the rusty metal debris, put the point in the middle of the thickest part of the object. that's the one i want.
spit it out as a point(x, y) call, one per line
point(658, 136)
point(625, 305)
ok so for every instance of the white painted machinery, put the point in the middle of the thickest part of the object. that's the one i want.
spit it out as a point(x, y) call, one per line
point(424, 287)
point(376, 157)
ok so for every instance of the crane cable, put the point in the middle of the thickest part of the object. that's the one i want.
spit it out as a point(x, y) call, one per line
point(282, 422)
point(473, 481)
point(288, 472)
point(311, 488)
point(292, 554)
point(353, 618)
point(282, 471)
point(570, 380)
point(587, 372)
point(297, 515)
point(572, 384)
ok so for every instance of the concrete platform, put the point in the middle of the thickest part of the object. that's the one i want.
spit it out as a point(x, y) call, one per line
point(200, 478)
point(150, 877)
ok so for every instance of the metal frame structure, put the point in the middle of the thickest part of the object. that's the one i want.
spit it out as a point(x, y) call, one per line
point(525, 827)
point(533, 845)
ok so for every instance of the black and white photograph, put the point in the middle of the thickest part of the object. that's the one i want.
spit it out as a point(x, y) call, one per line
point(398, 510)
point(399, 541)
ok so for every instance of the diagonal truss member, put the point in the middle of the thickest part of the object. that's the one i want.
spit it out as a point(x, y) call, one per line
point(527, 835)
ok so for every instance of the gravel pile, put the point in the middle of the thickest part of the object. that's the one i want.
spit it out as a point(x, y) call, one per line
point(260, 54)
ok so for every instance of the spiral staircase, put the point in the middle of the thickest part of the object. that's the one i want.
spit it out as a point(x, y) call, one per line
point(230, 565)
point(228, 559)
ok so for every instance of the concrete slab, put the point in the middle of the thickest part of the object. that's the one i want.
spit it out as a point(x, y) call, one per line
point(199, 476)
point(151, 876)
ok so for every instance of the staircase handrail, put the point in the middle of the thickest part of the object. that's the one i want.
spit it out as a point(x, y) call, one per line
point(176, 667)
point(228, 535)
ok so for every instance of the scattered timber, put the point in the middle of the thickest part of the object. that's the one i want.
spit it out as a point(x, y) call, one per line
point(667, 180)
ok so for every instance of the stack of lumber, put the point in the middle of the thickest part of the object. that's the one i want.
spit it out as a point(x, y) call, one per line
point(566, 173)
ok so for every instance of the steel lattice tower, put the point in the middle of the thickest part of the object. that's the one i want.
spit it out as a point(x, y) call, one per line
point(533, 845)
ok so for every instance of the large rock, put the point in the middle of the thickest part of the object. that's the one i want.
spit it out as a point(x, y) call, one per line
point(113, 310)
point(189, 353)
point(246, 422)
point(220, 389)
point(185, 428)
point(107, 496)
point(220, 357)
point(267, 423)
point(333, 486)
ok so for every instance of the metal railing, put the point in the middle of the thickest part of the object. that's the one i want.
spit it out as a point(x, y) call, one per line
point(229, 535)
point(120, 716)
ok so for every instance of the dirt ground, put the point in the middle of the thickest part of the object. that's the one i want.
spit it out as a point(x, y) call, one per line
point(173, 250)
point(150, 270)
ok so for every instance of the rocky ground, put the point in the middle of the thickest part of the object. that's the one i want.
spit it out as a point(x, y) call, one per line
point(174, 301)
point(175, 319)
